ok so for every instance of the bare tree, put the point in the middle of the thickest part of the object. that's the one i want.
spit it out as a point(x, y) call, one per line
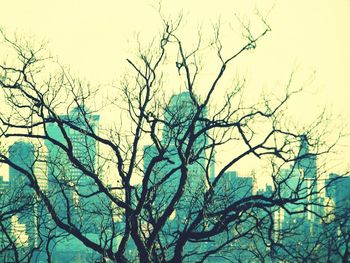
point(183, 209)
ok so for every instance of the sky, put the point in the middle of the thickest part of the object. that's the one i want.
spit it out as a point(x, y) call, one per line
point(312, 38)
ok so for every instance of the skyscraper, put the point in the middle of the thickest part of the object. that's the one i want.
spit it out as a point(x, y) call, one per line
point(71, 189)
point(21, 194)
point(299, 185)
point(306, 164)
point(300, 181)
point(178, 116)
point(181, 127)
point(338, 189)
point(306, 161)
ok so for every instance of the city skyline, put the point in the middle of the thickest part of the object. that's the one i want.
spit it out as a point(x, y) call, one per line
point(243, 187)
point(171, 133)
point(301, 181)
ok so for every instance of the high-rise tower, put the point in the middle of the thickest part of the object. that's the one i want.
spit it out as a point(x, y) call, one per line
point(21, 194)
point(70, 186)
point(179, 115)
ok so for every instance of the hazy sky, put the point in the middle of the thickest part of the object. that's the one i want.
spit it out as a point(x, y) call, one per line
point(94, 38)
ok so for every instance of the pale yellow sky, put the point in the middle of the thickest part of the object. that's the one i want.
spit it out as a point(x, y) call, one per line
point(95, 37)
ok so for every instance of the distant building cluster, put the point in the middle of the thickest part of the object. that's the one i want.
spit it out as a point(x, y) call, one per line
point(57, 176)
point(72, 191)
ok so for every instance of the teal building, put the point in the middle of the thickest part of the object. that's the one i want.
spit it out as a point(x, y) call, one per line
point(179, 115)
point(73, 193)
point(69, 187)
point(21, 195)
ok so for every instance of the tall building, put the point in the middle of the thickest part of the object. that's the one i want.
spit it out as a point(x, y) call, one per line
point(338, 189)
point(178, 117)
point(300, 181)
point(306, 164)
point(308, 168)
point(71, 189)
point(306, 161)
point(299, 184)
point(165, 176)
point(21, 154)
point(21, 194)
